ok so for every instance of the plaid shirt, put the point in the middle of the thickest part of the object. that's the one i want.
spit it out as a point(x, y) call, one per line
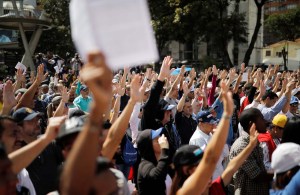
point(244, 182)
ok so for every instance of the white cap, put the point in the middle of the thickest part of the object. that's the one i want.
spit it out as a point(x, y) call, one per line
point(285, 157)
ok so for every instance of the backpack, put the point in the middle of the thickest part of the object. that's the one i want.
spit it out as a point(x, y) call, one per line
point(129, 153)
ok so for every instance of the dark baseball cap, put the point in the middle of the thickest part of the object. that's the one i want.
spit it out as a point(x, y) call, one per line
point(24, 114)
point(206, 117)
point(187, 155)
point(164, 105)
point(71, 126)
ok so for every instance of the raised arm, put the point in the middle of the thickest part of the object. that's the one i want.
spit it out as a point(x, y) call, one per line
point(181, 102)
point(158, 86)
point(27, 98)
point(236, 162)
point(177, 80)
point(79, 170)
point(61, 109)
point(198, 181)
point(239, 79)
point(116, 108)
point(22, 157)
point(9, 100)
point(118, 129)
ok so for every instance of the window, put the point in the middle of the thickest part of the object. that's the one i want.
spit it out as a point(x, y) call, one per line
point(268, 53)
point(278, 54)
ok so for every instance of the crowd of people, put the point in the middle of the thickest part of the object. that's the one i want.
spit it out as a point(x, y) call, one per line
point(83, 129)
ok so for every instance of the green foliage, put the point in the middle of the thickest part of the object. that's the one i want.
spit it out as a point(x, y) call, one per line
point(286, 25)
point(189, 21)
point(58, 39)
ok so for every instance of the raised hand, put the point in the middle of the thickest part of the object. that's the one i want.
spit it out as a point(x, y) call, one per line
point(253, 135)
point(223, 74)
point(209, 71)
point(53, 127)
point(182, 70)
point(20, 77)
point(163, 142)
point(243, 67)
point(231, 74)
point(64, 95)
point(120, 90)
point(165, 68)
point(227, 99)
point(215, 70)
point(193, 74)
point(9, 100)
point(185, 88)
point(262, 88)
point(137, 91)
point(40, 76)
point(98, 77)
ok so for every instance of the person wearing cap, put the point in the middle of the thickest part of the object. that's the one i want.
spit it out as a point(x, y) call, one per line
point(188, 157)
point(83, 100)
point(271, 138)
point(286, 165)
point(29, 121)
point(199, 176)
point(22, 156)
point(203, 134)
point(153, 148)
point(293, 108)
point(185, 122)
point(251, 177)
point(47, 162)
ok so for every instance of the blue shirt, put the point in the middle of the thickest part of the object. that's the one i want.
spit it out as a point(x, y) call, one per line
point(292, 188)
point(269, 113)
point(82, 103)
point(219, 110)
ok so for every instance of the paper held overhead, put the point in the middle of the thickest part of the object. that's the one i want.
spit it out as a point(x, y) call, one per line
point(121, 29)
point(21, 66)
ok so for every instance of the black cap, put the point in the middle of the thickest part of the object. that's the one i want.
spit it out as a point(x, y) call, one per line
point(187, 155)
point(72, 125)
point(24, 114)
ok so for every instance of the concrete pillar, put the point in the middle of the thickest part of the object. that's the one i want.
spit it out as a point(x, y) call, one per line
point(24, 40)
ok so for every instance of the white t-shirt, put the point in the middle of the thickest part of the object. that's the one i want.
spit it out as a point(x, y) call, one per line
point(25, 181)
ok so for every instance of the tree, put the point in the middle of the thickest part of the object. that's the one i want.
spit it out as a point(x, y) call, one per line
point(286, 26)
point(259, 5)
point(58, 39)
point(188, 21)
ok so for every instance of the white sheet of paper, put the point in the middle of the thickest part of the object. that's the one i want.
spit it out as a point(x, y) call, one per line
point(245, 76)
point(121, 29)
point(21, 66)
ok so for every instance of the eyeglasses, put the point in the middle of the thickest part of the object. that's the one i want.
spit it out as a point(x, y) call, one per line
point(294, 105)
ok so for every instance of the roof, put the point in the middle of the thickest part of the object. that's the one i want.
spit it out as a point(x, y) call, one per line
point(297, 41)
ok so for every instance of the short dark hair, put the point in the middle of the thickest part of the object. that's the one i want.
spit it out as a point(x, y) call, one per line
point(248, 116)
point(269, 94)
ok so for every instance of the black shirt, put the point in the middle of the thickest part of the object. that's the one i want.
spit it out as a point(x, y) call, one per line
point(185, 127)
point(43, 170)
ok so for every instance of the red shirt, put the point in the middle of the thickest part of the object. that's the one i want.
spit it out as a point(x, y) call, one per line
point(217, 187)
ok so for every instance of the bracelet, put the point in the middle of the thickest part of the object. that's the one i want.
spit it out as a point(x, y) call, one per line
point(226, 117)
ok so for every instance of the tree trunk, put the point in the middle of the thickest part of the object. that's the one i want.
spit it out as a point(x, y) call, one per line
point(226, 58)
point(255, 33)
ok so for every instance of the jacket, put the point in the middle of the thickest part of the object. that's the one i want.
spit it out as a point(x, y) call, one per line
point(151, 173)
